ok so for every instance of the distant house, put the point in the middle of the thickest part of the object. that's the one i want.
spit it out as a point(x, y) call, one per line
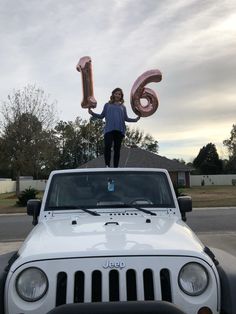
point(137, 157)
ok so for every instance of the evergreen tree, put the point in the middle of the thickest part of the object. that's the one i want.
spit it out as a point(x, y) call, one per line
point(207, 160)
point(230, 143)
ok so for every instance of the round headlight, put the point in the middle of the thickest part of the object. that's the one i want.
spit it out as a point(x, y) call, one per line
point(193, 279)
point(31, 284)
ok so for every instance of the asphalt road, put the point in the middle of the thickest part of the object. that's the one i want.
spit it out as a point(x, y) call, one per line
point(14, 227)
point(215, 228)
point(212, 220)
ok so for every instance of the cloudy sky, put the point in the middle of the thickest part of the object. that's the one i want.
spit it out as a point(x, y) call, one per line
point(192, 42)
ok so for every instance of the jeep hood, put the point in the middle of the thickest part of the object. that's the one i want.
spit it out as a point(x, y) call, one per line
point(110, 236)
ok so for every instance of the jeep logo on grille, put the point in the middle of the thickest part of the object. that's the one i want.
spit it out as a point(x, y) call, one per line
point(114, 264)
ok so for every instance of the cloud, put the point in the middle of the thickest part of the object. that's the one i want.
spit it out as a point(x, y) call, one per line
point(192, 42)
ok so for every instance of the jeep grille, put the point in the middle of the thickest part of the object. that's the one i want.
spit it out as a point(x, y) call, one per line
point(131, 282)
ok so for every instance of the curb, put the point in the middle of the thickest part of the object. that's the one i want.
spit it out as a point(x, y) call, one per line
point(13, 214)
point(215, 208)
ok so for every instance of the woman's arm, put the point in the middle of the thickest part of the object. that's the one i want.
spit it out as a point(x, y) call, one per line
point(127, 119)
point(97, 115)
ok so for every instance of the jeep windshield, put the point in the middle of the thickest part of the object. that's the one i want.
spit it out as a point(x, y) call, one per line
point(95, 190)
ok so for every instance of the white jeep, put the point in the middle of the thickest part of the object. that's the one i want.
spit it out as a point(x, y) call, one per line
point(114, 241)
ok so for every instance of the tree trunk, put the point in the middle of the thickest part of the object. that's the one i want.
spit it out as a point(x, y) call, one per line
point(18, 183)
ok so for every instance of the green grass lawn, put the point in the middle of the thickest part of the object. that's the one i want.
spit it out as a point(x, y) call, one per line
point(8, 203)
point(212, 196)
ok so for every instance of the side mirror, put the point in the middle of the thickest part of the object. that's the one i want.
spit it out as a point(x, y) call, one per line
point(185, 205)
point(33, 209)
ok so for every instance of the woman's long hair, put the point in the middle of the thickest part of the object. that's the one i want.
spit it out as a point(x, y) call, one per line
point(112, 98)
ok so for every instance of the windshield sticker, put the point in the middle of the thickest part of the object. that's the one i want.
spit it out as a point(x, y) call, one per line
point(110, 185)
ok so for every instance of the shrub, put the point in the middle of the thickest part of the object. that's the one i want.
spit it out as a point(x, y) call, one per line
point(179, 190)
point(26, 195)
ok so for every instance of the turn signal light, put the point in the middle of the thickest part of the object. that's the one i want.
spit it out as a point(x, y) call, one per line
point(204, 310)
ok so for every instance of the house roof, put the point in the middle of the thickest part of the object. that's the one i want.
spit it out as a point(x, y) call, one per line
point(137, 157)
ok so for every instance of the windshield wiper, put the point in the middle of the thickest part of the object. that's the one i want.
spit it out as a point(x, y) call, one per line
point(74, 207)
point(141, 209)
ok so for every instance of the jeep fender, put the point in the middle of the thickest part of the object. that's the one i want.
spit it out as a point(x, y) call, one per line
point(131, 307)
point(5, 261)
point(227, 273)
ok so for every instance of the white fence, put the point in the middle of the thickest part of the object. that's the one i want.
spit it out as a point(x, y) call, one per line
point(7, 186)
point(219, 179)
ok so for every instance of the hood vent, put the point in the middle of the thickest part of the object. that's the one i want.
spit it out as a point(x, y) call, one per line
point(110, 223)
point(124, 214)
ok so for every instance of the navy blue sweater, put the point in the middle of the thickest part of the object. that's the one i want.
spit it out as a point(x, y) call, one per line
point(115, 116)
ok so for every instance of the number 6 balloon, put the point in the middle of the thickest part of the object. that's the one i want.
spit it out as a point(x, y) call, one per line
point(138, 90)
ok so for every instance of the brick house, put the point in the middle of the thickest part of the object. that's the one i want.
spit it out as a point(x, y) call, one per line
point(137, 157)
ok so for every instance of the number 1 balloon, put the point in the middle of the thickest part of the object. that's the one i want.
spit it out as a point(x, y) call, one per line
point(85, 67)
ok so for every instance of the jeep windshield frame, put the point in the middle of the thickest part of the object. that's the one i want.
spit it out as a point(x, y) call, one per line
point(109, 190)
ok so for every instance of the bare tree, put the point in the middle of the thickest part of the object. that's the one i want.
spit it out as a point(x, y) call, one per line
point(27, 117)
point(136, 137)
point(31, 100)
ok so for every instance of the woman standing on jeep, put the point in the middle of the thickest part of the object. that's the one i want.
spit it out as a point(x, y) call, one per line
point(115, 115)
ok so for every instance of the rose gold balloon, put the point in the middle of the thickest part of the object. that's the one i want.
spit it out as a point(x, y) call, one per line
point(85, 67)
point(138, 91)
